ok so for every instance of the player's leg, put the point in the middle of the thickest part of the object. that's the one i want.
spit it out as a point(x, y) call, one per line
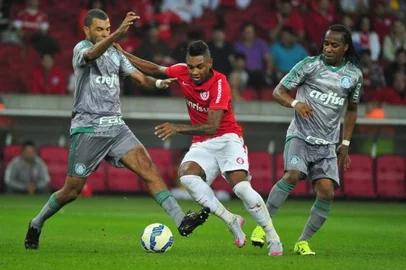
point(130, 152)
point(191, 176)
point(325, 179)
point(234, 166)
point(82, 162)
point(295, 166)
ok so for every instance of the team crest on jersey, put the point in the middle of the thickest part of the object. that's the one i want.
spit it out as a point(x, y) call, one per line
point(294, 160)
point(80, 168)
point(204, 95)
point(346, 82)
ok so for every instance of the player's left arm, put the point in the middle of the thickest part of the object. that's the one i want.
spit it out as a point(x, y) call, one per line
point(350, 118)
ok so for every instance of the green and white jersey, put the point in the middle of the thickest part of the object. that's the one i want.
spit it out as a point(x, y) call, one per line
point(96, 101)
point(326, 89)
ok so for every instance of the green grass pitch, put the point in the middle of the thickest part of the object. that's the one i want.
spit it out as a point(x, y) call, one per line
point(103, 233)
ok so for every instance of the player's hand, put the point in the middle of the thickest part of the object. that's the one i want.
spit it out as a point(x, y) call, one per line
point(304, 110)
point(118, 47)
point(344, 160)
point(30, 189)
point(128, 21)
point(166, 130)
point(167, 82)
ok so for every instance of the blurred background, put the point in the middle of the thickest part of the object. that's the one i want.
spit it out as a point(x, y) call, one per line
point(254, 42)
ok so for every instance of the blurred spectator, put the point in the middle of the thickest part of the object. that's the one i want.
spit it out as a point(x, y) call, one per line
point(398, 66)
point(323, 18)
point(395, 40)
point(373, 75)
point(129, 42)
point(154, 49)
point(367, 38)
point(382, 20)
point(238, 77)
point(395, 94)
point(44, 43)
point(286, 17)
point(27, 173)
point(48, 79)
point(31, 19)
point(348, 22)
point(165, 19)
point(287, 52)
point(7, 31)
point(5, 6)
point(179, 53)
point(354, 6)
point(272, 76)
point(187, 10)
point(221, 50)
point(256, 55)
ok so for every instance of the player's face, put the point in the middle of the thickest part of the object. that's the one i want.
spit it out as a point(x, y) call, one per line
point(199, 68)
point(334, 48)
point(98, 30)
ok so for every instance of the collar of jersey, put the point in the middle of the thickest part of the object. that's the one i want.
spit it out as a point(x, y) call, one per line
point(206, 85)
point(333, 69)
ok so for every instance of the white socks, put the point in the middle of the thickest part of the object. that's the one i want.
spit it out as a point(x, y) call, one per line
point(255, 205)
point(204, 195)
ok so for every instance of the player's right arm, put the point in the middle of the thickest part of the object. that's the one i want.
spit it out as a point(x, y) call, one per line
point(297, 75)
point(144, 66)
point(150, 82)
point(99, 48)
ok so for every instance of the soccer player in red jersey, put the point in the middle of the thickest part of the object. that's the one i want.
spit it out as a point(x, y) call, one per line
point(218, 146)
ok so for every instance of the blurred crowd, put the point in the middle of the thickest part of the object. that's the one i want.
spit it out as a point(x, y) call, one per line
point(254, 42)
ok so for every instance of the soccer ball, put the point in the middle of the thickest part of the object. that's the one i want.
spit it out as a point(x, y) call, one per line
point(157, 238)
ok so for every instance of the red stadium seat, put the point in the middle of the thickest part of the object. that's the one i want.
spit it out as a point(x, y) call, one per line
point(302, 188)
point(261, 171)
point(390, 174)
point(122, 179)
point(57, 159)
point(249, 94)
point(163, 160)
point(97, 180)
point(10, 152)
point(221, 184)
point(358, 180)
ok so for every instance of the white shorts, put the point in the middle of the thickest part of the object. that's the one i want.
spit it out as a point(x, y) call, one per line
point(221, 154)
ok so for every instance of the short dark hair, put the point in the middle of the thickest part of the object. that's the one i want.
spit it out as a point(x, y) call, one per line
point(94, 13)
point(287, 29)
point(239, 55)
point(218, 27)
point(365, 51)
point(197, 48)
point(28, 143)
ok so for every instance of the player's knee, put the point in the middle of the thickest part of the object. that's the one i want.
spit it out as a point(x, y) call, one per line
point(325, 189)
point(189, 168)
point(236, 177)
point(327, 195)
point(292, 177)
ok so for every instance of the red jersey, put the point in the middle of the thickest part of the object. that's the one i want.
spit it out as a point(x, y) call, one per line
point(55, 84)
point(215, 94)
point(31, 22)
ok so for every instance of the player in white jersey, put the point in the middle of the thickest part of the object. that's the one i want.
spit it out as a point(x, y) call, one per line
point(327, 84)
point(98, 131)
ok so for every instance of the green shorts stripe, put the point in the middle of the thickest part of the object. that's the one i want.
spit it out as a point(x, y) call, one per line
point(72, 153)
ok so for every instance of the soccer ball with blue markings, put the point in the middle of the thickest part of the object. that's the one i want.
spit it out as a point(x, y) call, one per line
point(157, 238)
